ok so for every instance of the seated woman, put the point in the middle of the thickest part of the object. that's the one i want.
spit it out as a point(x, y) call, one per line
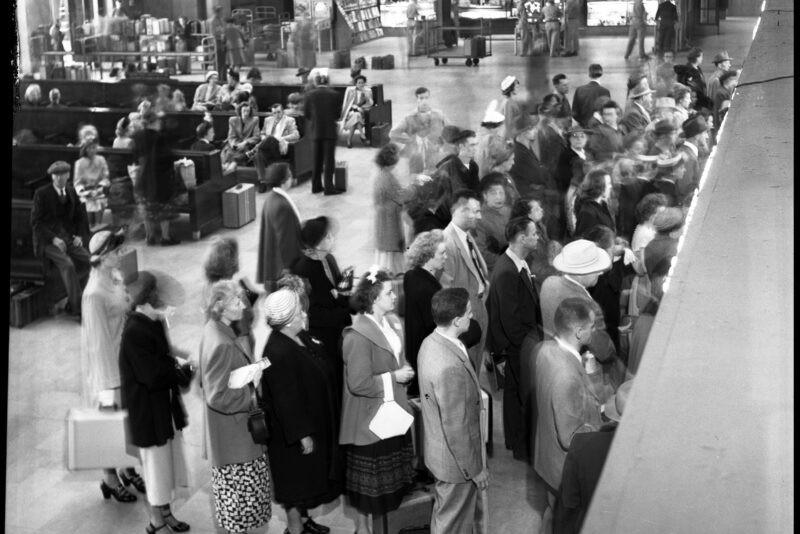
point(243, 134)
point(357, 100)
point(91, 181)
point(254, 75)
point(32, 97)
point(206, 96)
point(178, 102)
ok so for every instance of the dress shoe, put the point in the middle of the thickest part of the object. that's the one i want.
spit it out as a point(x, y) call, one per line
point(315, 191)
point(119, 493)
point(169, 241)
point(135, 479)
point(334, 192)
point(311, 527)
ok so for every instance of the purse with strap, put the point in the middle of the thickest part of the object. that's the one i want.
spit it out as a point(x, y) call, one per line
point(257, 419)
point(391, 419)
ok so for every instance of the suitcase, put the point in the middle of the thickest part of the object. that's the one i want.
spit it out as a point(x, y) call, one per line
point(340, 176)
point(238, 205)
point(97, 439)
point(475, 47)
point(379, 135)
point(388, 62)
point(376, 63)
point(340, 59)
point(129, 266)
point(415, 511)
point(27, 306)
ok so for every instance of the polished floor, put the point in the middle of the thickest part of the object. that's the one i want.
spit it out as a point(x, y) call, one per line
point(42, 496)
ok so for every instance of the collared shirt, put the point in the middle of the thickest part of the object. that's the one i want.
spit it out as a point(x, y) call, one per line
point(282, 193)
point(391, 336)
point(455, 341)
point(462, 236)
point(518, 263)
point(581, 153)
point(61, 192)
point(692, 148)
point(569, 349)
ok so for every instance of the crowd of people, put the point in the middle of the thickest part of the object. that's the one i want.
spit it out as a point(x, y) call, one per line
point(533, 249)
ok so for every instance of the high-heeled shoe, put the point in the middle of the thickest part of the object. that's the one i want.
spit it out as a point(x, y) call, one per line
point(150, 529)
point(135, 479)
point(173, 524)
point(119, 493)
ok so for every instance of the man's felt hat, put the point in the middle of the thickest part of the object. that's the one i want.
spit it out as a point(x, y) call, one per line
point(58, 167)
point(507, 82)
point(663, 127)
point(668, 219)
point(722, 56)
point(694, 126)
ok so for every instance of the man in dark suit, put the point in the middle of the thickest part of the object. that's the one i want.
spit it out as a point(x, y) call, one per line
point(584, 463)
point(585, 96)
point(666, 19)
point(61, 230)
point(514, 314)
point(322, 112)
point(695, 133)
point(205, 138)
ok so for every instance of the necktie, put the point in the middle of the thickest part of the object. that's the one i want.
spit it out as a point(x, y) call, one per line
point(62, 196)
point(274, 127)
point(473, 253)
point(527, 278)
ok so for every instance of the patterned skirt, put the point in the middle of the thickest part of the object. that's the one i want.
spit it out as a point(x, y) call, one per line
point(242, 496)
point(379, 475)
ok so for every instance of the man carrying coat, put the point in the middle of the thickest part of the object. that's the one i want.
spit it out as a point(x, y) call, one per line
point(451, 416)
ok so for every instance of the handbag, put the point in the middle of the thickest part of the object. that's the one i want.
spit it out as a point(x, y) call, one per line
point(257, 419)
point(391, 419)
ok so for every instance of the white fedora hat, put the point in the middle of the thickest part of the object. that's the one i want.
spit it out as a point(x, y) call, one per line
point(582, 257)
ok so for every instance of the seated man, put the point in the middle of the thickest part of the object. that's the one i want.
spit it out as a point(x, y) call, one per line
point(61, 230)
point(280, 130)
point(205, 143)
point(229, 91)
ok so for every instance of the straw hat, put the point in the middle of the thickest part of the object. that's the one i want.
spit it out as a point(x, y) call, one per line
point(280, 307)
point(615, 406)
point(582, 257)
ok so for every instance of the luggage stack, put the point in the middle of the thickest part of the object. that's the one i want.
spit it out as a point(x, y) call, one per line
point(238, 205)
point(382, 62)
point(27, 305)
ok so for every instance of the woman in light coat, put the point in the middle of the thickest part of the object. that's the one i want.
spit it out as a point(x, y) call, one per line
point(357, 100)
point(240, 476)
point(104, 307)
point(378, 472)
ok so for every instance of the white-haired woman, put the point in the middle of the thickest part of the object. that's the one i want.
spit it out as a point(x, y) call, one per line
point(104, 307)
point(240, 476)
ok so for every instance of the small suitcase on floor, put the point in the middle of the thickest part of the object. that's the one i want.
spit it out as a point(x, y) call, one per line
point(340, 176)
point(27, 306)
point(388, 62)
point(97, 439)
point(238, 205)
point(414, 512)
point(376, 62)
point(379, 135)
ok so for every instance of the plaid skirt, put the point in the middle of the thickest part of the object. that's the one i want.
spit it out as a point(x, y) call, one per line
point(378, 476)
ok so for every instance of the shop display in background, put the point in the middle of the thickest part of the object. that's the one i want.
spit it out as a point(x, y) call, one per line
point(394, 15)
point(363, 18)
point(617, 12)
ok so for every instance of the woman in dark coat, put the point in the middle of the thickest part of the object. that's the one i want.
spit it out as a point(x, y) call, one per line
point(154, 183)
point(329, 308)
point(591, 206)
point(425, 260)
point(151, 376)
point(299, 391)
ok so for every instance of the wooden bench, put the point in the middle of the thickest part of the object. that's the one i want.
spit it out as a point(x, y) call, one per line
point(204, 207)
point(124, 95)
point(60, 126)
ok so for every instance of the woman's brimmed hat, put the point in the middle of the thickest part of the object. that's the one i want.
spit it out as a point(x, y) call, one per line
point(104, 242)
point(582, 257)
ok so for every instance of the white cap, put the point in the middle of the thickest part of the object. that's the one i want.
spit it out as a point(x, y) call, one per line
point(493, 116)
point(507, 82)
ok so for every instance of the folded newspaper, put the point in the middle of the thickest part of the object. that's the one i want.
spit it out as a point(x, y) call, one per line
point(242, 376)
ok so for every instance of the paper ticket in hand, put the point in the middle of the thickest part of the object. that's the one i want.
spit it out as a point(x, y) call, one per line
point(244, 375)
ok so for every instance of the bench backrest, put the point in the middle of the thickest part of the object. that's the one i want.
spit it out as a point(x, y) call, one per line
point(125, 93)
point(30, 163)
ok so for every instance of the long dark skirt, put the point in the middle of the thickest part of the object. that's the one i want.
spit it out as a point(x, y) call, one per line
point(379, 475)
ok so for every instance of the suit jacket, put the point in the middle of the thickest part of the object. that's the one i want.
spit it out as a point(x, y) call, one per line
point(419, 287)
point(606, 142)
point(201, 145)
point(460, 271)
point(633, 120)
point(491, 234)
point(566, 408)
point(321, 110)
point(50, 219)
point(149, 383)
point(591, 213)
point(458, 177)
point(530, 175)
point(279, 242)
point(286, 129)
point(584, 100)
point(367, 355)
point(691, 176)
point(582, 467)
point(227, 438)
point(513, 307)
point(450, 395)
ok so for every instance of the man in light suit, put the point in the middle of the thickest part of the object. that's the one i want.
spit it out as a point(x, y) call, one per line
point(514, 315)
point(637, 118)
point(464, 266)
point(564, 396)
point(451, 416)
point(279, 131)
